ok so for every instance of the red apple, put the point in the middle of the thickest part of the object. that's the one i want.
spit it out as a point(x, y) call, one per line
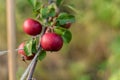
point(23, 54)
point(32, 27)
point(51, 42)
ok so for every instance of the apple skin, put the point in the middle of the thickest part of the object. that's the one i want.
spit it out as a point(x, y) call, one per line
point(51, 42)
point(32, 27)
point(23, 54)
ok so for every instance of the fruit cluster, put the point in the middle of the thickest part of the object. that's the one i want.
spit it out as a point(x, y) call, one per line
point(56, 31)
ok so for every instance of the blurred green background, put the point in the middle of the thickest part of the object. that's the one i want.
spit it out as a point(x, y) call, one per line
point(94, 52)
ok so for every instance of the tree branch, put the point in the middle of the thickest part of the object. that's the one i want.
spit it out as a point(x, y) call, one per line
point(5, 52)
point(34, 62)
point(32, 68)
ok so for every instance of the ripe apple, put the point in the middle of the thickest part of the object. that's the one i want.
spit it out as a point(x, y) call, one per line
point(23, 54)
point(32, 27)
point(51, 42)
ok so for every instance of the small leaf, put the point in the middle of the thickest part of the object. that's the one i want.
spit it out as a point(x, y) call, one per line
point(58, 2)
point(59, 30)
point(28, 48)
point(37, 6)
point(52, 12)
point(33, 2)
point(44, 12)
point(34, 43)
point(64, 18)
point(67, 36)
point(48, 11)
point(42, 55)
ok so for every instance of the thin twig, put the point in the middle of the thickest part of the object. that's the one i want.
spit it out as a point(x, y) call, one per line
point(32, 62)
point(29, 66)
point(5, 52)
point(26, 72)
point(32, 68)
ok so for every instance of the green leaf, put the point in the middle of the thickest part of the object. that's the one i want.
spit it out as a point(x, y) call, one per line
point(37, 6)
point(58, 2)
point(52, 12)
point(33, 2)
point(44, 12)
point(28, 48)
point(59, 30)
point(67, 36)
point(64, 18)
point(48, 11)
point(34, 43)
point(42, 55)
